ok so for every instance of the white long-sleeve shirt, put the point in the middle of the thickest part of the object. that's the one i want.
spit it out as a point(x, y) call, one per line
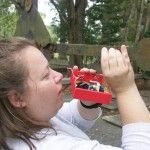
point(69, 135)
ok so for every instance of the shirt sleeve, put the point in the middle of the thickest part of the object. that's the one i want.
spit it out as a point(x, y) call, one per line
point(136, 136)
point(70, 112)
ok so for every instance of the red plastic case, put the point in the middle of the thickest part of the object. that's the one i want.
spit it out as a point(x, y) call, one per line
point(89, 95)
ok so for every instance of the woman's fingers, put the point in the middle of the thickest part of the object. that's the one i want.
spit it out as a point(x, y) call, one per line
point(120, 60)
point(112, 60)
point(85, 70)
point(116, 67)
point(88, 70)
point(75, 67)
point(126, 57)
point(104, 61)
point(92, 71)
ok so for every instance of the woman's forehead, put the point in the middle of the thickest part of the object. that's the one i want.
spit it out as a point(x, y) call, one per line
point(33, 55)
point(35, 60)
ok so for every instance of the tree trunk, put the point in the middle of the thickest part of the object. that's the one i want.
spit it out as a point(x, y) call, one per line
point(147, 22)
point(76, 16)
point(76, 21)
point(30, 23)
point(129, 17)
point(139, 26)
point(62, 37)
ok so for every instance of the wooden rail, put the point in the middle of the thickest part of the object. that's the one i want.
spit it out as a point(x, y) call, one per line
point(87, 51)
point(93, 51)
point(139, 53)
point(79, 49)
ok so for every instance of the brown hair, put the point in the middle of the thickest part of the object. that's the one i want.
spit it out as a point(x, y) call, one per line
point(13, 75)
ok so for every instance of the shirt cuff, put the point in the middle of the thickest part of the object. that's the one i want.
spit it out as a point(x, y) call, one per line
point(84, 124)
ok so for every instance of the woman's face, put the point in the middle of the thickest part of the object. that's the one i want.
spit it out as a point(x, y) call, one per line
point(44, 97)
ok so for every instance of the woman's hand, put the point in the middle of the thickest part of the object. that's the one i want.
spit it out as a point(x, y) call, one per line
point(88, 103)
point(85, 69)
point(88, 114)
point(117, 69)
point(118, 73)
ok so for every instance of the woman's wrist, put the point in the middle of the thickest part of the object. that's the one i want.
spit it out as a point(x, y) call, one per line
point(130, 89)
point(132, 107)
point(90, 105)
point(88, 114)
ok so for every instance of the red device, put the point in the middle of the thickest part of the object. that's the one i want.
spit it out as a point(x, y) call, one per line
point(85, 94)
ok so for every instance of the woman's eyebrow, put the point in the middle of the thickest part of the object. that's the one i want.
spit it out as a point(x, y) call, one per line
point(46, 68)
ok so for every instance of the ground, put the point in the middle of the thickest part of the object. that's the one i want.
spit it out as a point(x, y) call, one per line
point(105, 133)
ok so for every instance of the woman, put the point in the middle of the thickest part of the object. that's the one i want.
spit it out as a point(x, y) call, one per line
point(32, 113)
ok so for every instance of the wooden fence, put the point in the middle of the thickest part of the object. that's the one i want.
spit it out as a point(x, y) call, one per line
point(91, 57)
point(140, 54)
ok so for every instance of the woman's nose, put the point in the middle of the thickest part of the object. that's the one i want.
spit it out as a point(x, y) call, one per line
point(58, 77)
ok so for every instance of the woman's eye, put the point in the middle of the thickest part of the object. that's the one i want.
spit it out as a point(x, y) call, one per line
point(46, 76)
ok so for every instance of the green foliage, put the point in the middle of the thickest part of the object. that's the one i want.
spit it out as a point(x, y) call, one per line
point(103, 23)
point(146, 74)
point(61, 30)
point(131, 30)
point(107, 22)
point(8, 18)
point(92, 37)
point(109, 16)
point(59, 26)
point(53, 33)
point(147, 34)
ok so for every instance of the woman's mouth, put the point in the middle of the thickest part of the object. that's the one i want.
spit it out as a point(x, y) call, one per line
point(60, 91)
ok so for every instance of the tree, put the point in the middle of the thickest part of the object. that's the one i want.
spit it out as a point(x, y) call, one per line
point(8, 19)
point(138, 24)
point(30, 24)
point(147, 21)
point(93, 26)
point(72, 16)
point(107, 17)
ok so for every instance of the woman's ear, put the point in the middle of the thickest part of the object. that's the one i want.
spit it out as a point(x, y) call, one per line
point(15, 99)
